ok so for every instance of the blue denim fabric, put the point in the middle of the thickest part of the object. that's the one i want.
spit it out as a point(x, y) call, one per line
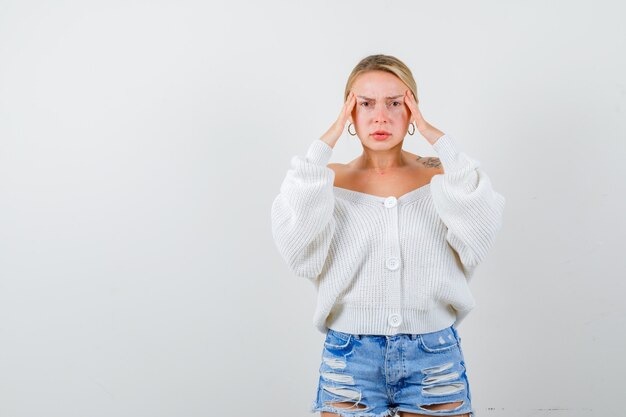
point(379, 375)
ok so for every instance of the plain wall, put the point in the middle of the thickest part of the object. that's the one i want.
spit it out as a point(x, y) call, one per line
point(142, 144)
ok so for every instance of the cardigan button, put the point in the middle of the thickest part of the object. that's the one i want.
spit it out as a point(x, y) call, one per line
point(392, 263)
point(391, 201)
point(395, 320)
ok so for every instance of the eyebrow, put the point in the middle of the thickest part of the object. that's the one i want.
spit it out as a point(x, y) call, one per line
point(389, 98)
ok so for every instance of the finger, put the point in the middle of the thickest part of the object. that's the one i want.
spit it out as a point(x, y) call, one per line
point(414, 98)
point(410, 103)
point(412, 106)
point(349, 105)
point(345, 105)
point(407, 99)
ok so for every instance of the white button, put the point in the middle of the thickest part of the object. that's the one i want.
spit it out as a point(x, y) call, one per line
point(395, 320)
point(390, 202)
point(392, 263)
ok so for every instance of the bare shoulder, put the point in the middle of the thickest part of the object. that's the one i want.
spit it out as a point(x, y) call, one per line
point(432, 163)
point(340, 170)
point(335, 166)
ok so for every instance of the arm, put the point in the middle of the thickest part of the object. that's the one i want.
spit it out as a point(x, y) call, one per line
point(463, 196)
point(467, 204)
point(302, 214)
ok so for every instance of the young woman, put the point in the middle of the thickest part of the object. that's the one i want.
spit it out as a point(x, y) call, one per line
point(390, 241)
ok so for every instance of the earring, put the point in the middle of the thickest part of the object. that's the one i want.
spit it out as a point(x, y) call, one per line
point(411, 133)
point(351, 134)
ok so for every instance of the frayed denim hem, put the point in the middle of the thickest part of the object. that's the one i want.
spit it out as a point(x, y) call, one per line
point(387, 413)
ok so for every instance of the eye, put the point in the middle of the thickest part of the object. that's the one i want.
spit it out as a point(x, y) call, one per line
point(363, 103)
point(396, 102)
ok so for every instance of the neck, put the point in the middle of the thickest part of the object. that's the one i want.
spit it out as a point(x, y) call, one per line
point(382, 161)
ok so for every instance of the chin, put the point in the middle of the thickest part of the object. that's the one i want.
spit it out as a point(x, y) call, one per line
point(385, 144)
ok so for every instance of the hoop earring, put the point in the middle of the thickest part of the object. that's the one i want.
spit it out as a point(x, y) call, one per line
point(411, 133)
point(351, 134)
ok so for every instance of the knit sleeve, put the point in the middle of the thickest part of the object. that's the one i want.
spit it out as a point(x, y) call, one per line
point(302, 214)
point(466, 203)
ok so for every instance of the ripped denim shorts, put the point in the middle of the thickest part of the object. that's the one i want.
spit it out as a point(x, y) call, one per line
point(378, 375)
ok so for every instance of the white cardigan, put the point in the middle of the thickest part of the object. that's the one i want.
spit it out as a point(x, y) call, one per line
point(387, 265)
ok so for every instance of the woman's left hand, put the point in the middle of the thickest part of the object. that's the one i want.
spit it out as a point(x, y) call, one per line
point(430, 132)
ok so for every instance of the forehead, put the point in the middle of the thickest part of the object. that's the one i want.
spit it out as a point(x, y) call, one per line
point(378, 84)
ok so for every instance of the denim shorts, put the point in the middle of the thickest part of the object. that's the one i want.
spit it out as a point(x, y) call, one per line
point(379, 375)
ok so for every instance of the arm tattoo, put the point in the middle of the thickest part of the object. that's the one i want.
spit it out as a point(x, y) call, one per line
point(430, 161)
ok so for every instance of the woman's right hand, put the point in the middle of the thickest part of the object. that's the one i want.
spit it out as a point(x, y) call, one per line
point(334, 132)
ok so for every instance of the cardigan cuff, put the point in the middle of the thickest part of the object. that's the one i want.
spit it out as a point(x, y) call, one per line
point(448, 151)
point(319, 152)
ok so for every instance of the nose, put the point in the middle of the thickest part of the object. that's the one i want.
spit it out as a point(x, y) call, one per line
point(381, 115)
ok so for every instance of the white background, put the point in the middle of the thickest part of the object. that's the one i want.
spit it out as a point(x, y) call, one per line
point(142, 143)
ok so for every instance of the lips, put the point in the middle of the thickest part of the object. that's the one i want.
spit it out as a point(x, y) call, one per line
point(381, 134)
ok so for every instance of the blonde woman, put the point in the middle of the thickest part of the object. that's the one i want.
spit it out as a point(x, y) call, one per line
point(390, 240)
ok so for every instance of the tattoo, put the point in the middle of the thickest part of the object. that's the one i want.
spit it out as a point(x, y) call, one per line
point(430, 162)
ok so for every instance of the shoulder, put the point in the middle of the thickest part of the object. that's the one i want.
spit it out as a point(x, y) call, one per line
point(431, 162)
point(341, 173)
point(335, 166)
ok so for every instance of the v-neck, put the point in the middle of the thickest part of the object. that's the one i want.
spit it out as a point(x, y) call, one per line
point(361, 197)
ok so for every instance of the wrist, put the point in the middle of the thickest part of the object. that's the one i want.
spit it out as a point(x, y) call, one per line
point(431, 133)
point(328, 142)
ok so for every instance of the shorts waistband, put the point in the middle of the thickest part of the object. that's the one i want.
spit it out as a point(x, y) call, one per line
point(395, 336)
point(412, 336)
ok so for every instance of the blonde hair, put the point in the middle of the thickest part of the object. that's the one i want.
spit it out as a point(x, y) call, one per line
point(386, 63)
